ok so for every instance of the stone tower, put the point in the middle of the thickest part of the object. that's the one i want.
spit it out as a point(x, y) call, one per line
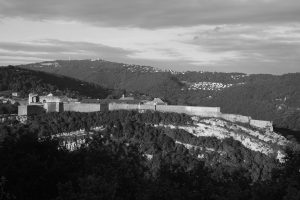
point(33, 98)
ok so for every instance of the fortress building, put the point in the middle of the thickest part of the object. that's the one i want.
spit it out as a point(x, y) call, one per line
point(40, 104)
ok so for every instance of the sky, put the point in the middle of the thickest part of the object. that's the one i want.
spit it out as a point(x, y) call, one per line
point(250, 36)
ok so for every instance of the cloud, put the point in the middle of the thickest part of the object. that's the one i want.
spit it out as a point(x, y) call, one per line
point(15, 52)
point(261, 48)
point(155, 13)
point(254, 48)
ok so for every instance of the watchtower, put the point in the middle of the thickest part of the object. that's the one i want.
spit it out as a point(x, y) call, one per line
point(33, 98)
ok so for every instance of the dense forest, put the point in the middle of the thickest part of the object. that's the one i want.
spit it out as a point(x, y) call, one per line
point(8, 108)
point(113, 163)
point(261, 96)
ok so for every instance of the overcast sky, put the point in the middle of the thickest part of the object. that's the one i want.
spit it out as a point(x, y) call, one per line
point(251, 36)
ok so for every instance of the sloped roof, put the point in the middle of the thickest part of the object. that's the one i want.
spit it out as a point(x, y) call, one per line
point(158, 100)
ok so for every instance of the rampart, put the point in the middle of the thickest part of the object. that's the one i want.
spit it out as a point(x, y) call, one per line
point(191, 110)
point(54, 104)
point(30, 110)
point(236, 118)
point(82, 107)
point(147, 107)
point(194, 110)
point(116, 106)
point(248, 120)
point(261, 124)
point(53, 107)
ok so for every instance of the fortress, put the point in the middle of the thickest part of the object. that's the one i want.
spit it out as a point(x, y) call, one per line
point(40, 104)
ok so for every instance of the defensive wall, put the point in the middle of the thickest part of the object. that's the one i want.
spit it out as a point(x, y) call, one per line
point(261, 124)
point(236, 118)
point(53, 107)
point(194, 110)
point(190, 110)
point(248, 120)
point(123, 106)
point(85, 107)
point(30, 110)
point(56, 105)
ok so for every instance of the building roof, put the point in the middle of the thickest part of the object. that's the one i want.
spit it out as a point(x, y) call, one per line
point(158, 100)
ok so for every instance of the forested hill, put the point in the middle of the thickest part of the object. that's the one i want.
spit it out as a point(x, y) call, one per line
point(261, 96)
point(26, 81)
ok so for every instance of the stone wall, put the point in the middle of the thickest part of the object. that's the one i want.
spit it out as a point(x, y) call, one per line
point(236, 118)
point(51, 104)
point(53, 107)
point(22, 110)
point(104, 107)
point(261, 124)
point(116, 106)
point(191, 110)
point(147, 107)
point(82, 107)
point(248, 120)
point(30, 110)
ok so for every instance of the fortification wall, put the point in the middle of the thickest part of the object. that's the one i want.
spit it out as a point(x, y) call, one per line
point(104, 107)
point(191, 110)
point(236, 118)
point(53, 107)
point(146, 107)
point(82, 107)
point(261, 124)
point(30, 110)
point(22, 110)
point(116, 106)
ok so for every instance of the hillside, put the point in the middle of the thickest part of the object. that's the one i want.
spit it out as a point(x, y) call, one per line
point(266, 97)
point(113, 75)
point(152, 155)
point(25, 81)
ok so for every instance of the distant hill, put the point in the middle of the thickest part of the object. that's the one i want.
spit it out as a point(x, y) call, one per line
point(25, 81)
point(261, 96)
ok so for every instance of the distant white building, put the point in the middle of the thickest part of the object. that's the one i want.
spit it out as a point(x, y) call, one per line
point(15, 94)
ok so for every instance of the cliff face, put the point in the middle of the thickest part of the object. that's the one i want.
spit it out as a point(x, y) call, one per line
point(261, 140)
point(214, 141)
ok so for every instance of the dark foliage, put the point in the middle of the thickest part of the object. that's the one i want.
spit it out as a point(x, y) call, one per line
point(113, 165)
point(25, 81)
point(8, 108)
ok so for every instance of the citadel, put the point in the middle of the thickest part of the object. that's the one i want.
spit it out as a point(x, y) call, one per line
point(49, 103)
